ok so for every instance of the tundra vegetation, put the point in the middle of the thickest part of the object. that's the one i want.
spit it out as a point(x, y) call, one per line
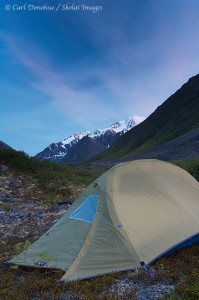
point(58, 182)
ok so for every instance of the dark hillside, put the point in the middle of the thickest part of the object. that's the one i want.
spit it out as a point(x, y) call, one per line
point(83, 150)
point(4, 146)
point(178, 115)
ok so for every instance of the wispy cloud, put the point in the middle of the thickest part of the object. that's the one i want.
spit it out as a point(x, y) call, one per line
point(130, 76)
point(66, 90)
point(82, 71)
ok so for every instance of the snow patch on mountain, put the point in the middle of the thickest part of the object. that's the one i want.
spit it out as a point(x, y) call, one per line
point(56, 151)
point(120, 126)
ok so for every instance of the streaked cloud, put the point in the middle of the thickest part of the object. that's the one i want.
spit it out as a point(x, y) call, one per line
point(76, 73)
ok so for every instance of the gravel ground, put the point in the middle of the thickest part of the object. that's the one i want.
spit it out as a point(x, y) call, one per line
point(143, 290)
point(23, 215)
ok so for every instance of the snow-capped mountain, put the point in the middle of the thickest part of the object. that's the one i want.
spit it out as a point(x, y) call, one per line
point(80, 147)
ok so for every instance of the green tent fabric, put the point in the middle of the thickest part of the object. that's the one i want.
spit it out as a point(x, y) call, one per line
point(134, 213)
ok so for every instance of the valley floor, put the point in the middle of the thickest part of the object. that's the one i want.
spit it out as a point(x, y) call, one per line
point(25, 215)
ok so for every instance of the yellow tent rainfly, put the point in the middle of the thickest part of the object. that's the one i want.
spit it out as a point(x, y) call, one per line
point(131, 215)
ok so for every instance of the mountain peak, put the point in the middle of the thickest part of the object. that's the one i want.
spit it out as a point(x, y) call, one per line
point(171, 132)
point(104, 138)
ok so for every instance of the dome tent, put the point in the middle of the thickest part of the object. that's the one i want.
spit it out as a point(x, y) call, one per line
point(132, 214)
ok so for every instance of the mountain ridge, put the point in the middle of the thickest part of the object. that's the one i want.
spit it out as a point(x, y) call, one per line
point(4, 146)
point(71, 149)
point(175, 117)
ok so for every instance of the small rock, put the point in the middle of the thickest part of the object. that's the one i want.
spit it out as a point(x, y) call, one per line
point(15, 184)
point(3, 169)
point(66, 202)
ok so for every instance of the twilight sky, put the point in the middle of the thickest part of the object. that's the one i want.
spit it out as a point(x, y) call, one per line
point(69, 71)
